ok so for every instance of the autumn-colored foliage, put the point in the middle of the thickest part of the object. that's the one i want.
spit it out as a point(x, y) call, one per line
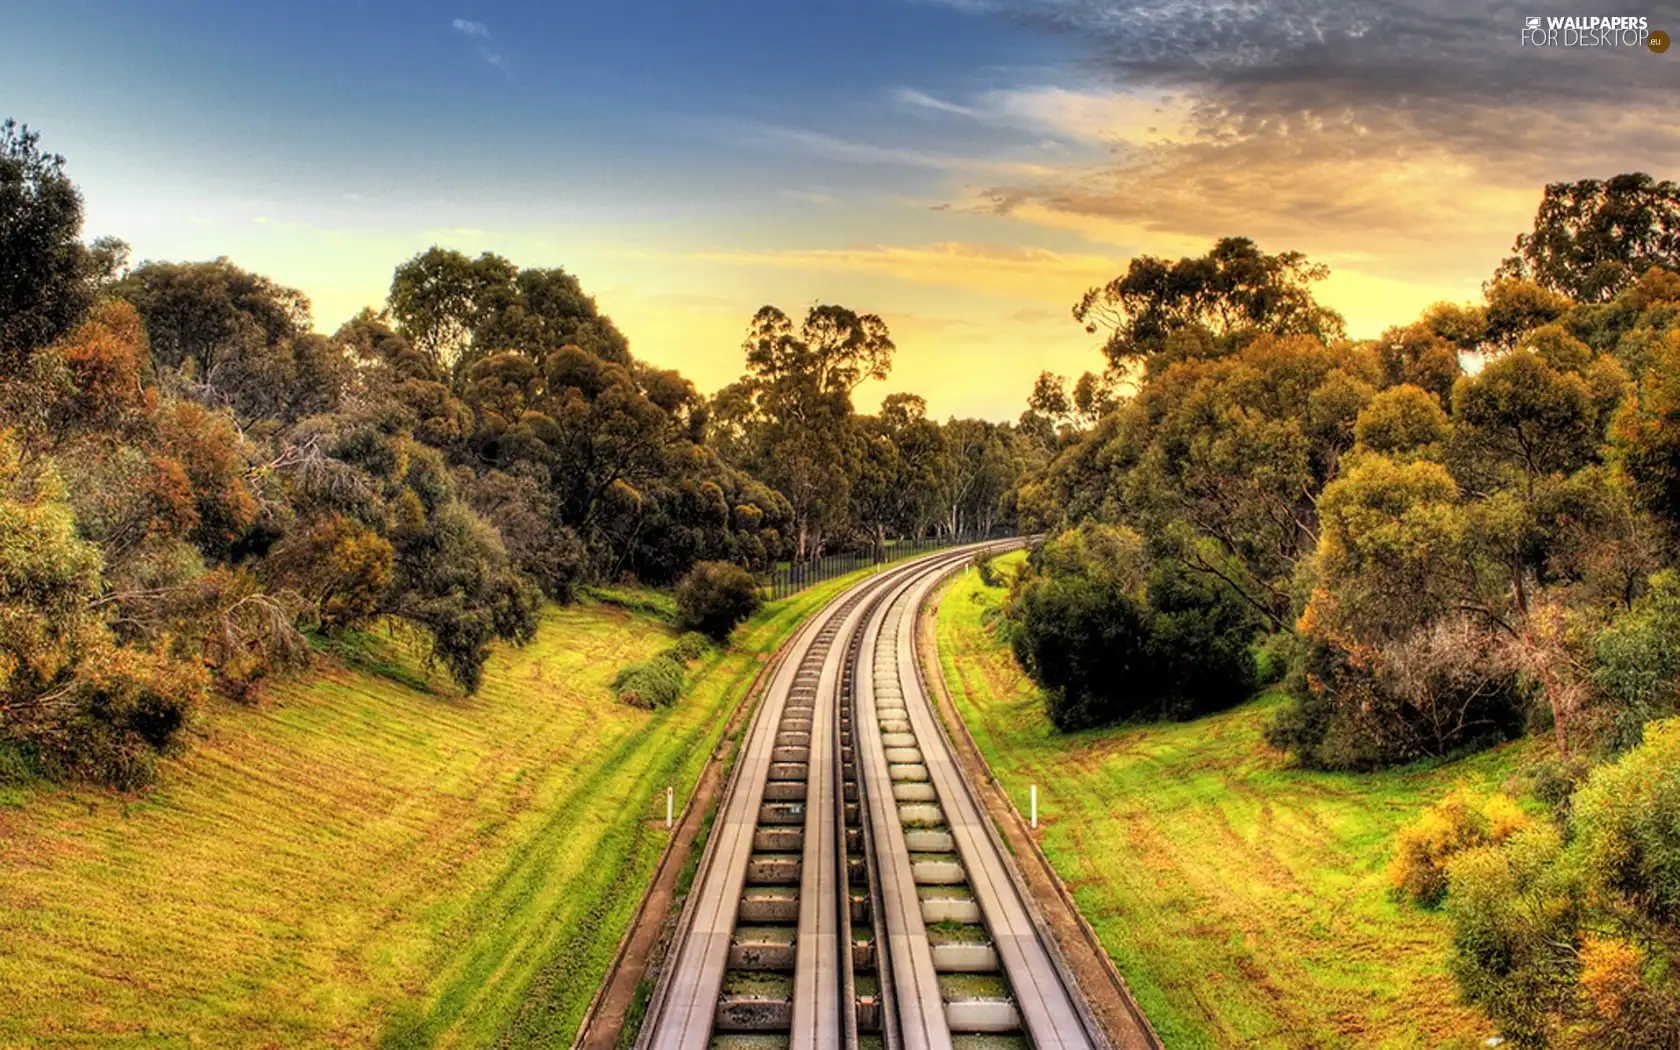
point(1461, 821)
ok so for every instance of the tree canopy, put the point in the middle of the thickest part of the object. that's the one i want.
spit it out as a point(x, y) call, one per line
point(1234, 290)
point(1593, 238)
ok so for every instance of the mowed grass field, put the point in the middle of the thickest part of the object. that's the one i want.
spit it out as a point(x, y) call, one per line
point(1244, 901)
point(367, 859)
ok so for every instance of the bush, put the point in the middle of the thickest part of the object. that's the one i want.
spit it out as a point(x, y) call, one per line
point(1516, 913)
point(1274, 654)
point(1628, 820)
point(1110, 638)
point(1087, 646)
point(690, 647)
point(1636, 663)
point(714, 597)
point(1445, 687)
point(1571, 937)
point(651, 684)
point(1459, 822)
point(128, 707)
point(658, 682)
point(1200, 645)
point(986, 565)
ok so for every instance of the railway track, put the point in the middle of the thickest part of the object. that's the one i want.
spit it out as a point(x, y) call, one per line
point(852, 893)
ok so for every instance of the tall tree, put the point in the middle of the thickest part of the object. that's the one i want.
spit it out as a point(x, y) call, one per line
point(980, 468)
point(198, 314)
point(45, 273)
point(790, 417)
point(459, 309)
point(1233, 290)
point(1594, 237)
point(238, 339)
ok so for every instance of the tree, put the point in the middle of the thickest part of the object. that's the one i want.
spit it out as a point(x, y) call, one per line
point(902, 456)
point(1233, 290)
point(1052, 410)
point(1521, 412)
point(456, 310)
point(46, 274)
point(1646, 432)
point(196, 313)
point(1390, 535)
point(1594, 237)
point(450, 573)
point(1416, 355)
point(438, 299)
point(790, 419)
point(71, 699)
point(834, 348)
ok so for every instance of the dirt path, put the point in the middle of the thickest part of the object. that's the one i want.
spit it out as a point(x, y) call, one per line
point(1105, 990)
point(654, 920)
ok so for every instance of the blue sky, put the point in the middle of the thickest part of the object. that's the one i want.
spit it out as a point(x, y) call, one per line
point(964, 167)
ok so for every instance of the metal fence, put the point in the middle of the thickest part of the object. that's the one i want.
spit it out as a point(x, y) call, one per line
point(793, 578)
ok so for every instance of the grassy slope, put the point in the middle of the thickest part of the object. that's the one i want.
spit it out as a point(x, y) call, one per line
point(1244, 901)
point(360, 860)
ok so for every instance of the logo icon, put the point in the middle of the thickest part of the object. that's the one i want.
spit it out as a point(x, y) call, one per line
point(1533, 22)
point(1657, 41)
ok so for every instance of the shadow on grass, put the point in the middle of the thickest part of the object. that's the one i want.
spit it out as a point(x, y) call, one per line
point(406, 1029)
point(394, 657)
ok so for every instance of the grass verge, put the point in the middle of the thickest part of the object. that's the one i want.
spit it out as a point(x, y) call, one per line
point(1243, 900)
point(368, 858)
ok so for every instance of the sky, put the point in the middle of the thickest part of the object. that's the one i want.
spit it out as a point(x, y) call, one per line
point(964, 168)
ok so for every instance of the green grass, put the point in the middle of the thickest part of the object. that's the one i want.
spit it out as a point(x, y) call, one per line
point(1243, 900)
point(363, 862)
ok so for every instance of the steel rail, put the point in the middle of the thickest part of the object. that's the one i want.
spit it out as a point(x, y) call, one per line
point(687, 1000)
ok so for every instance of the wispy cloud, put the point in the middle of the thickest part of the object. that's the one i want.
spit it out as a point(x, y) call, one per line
point(921, 100)
point(480, 34)
point(816, 195)
point(1033, 274)
point(819, 144)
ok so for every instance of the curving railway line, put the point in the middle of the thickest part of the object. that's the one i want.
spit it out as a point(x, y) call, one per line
point(852, 892)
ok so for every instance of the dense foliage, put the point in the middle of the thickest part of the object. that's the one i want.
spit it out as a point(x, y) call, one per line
point(1569, 936)
point(1457, 533)
point(193, 479)
point(1110, 636)
point(1462, 524)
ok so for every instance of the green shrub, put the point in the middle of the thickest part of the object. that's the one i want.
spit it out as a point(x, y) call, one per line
point(19, 763)
point(1274, 654)
point(714, 597)
point(690, 647)
point(1086, 645)
point(658, 682)
point(1627, 818)
point(651, 684)
point(1200, 646)
point(986, 566)
point(1516, 913)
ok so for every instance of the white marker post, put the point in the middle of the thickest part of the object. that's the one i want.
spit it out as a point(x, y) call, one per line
point(669, 797)
point(1035, 807)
